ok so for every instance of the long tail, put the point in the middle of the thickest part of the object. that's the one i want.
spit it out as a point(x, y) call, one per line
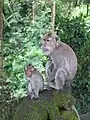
point(74, 108)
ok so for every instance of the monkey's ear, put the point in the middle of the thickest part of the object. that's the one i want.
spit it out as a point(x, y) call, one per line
point(24, 69)
point(29, 64)
point(57, 38)
point(35, 69)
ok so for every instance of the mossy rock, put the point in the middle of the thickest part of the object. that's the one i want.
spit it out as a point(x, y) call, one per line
point(52, 105)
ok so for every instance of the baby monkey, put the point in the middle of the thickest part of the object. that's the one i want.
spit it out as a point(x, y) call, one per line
point(35, 81)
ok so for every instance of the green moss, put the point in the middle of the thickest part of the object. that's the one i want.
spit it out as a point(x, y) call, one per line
point(63, 99)
point(69, 115)
point(52, 105)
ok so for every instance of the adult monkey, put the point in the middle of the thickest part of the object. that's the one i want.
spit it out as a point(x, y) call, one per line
point(62, 66)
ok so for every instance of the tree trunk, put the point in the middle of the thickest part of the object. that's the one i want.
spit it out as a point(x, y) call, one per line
point(1, 29)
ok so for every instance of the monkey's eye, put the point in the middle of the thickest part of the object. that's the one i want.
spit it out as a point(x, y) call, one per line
point(48, 40)
point(44, 39)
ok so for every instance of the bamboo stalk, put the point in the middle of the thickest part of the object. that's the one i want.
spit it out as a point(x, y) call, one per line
point(53, 16)
point(87, 9)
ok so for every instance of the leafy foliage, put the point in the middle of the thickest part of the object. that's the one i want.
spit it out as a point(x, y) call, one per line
point(22, 43)
point(75, 33)
point(22, 46)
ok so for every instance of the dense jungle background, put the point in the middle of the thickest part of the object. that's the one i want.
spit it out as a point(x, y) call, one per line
point(21, 44)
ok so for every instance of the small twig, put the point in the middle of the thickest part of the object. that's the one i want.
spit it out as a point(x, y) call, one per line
point(53, 16)
point(33, 12)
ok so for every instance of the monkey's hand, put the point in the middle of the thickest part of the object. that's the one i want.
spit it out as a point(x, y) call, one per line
point(51, 77)
point(49, 68)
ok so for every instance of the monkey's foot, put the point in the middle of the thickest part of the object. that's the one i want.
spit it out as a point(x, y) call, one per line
point(48, 88)
point(52, 85)
point(32, 97)
point(36, 97)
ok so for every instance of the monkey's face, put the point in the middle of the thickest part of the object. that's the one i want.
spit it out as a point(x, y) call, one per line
point(29, 71)
point(48, 45)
